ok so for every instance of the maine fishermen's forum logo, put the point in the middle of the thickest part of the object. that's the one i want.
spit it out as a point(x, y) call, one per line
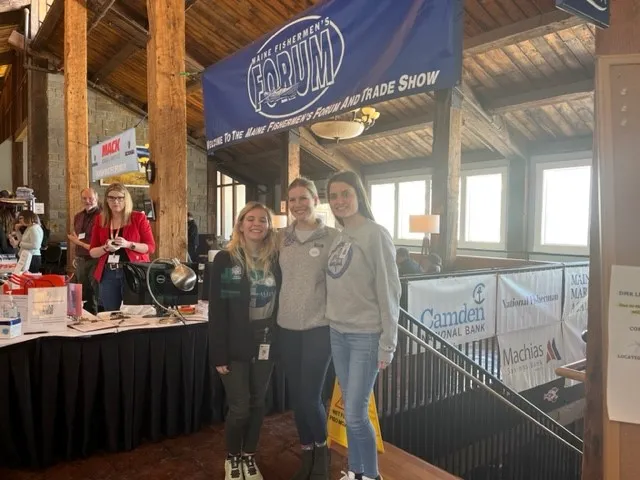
point(295, 67)
point(599, 4)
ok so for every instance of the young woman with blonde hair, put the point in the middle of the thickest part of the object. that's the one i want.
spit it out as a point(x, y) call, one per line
point(120, 235)
point(304, 329)
point(243, 300)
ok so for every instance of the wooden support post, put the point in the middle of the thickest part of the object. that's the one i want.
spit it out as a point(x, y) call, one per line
point(168, 124)
point(16, 164)
point(76, 115)
point(290, 165)
point(611, 448)
point(517, 208)
point(212, 196)
point(447, 149)
point(37, 137)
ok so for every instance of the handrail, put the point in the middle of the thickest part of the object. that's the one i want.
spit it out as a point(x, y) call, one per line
point(574, 371)
point(482, 385)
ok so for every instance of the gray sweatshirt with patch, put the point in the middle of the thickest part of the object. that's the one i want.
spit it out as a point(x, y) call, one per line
point(303, 295)
point(363, 286)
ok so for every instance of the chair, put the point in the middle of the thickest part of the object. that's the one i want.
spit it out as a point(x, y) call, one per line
point(52, 260)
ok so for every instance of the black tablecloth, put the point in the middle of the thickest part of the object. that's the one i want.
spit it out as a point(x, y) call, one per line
point(65, 397)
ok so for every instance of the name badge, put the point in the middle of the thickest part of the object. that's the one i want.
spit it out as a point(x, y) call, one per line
point(82, 236)
point(314, 252)
point(113, 258)
point(263, 351)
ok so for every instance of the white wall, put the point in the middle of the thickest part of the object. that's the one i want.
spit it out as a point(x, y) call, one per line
point(6, 179)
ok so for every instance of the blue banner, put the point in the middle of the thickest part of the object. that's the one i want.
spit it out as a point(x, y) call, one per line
point(594, 11)
point(335, 57)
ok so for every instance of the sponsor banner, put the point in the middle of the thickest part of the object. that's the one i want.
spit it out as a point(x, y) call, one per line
point(114, 156)
point(336, 57)
point(575, 311)
point(459, 309)
point(623, 365)
point(529, 299)
point(528, 358)
point(594, 11)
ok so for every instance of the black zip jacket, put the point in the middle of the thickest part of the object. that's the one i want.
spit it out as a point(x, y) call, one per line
point(232, 336)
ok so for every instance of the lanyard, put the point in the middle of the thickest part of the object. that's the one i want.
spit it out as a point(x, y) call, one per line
point(113, 235)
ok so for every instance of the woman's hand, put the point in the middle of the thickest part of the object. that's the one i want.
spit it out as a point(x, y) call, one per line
point(110, 247)
point(122, 242)
point(13, 240)
point(382, 365)
point(222, 369)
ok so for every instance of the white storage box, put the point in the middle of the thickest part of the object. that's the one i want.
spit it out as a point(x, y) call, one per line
point(10, 327)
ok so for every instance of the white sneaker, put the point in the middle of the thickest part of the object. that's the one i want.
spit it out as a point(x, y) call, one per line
point(232, 469)
point(250, 469)
point(347, 476)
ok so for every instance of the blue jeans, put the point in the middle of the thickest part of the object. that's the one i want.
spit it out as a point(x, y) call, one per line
point(111, 289)
point(355, 358)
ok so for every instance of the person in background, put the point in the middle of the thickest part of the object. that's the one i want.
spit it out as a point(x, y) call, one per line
point(5, 194)
point(243, 301)
point(434, 263)
point(192, 238)
point(31, 238)
point(119, 235)
point(85, 265)
point(363, 305)
point(406, 265)
point(7, 221)
point(304, 329)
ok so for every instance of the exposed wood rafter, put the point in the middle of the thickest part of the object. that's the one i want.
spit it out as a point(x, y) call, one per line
point(539, 98)
point(49, 24)
point(99, 14)
point(534, 27)
point(334, 159)
point(575, 144)
point(188, 4)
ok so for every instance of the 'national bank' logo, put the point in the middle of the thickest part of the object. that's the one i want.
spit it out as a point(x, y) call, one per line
point(295, 67)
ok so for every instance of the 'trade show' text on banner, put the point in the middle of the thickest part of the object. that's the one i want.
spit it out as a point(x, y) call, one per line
point(530, 357)
point(335, 57)
point(575, 311)
point(459, 309)
point(114, 156)
point(529, 299)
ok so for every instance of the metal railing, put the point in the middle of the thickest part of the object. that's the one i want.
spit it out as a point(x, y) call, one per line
point(437, 404)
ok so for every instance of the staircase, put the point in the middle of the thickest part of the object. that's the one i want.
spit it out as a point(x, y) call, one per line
point(436, 403)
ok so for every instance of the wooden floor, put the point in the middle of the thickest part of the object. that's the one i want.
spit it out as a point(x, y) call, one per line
point(201, 456)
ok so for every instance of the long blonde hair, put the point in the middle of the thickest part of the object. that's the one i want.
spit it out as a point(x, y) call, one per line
point(237, 246)
point(128, 205)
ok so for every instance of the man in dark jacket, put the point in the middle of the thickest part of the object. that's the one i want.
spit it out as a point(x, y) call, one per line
point(192, 238)
point(406, 265)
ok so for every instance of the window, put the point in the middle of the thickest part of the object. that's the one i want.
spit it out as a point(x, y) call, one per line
point(231, 198)
point(483, 202)
point(394, 200)
point(563, 201)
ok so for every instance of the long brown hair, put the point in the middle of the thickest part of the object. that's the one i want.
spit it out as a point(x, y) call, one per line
point(237, 246)
point(128, 205)
point(353, 180)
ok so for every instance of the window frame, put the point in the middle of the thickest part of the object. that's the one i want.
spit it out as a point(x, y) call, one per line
point(540, 166)
point(485, 168)
point(408, 176)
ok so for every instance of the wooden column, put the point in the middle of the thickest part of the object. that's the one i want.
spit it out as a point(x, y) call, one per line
point(212, 196)
point(166, 94)
point(76, 116)
point(517, 208)
point(611, 448)
point(16, 164)
point(38, 137)
point(290, 165)
point(447, 148)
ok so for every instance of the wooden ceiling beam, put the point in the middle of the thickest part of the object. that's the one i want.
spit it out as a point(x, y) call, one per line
point(114, 62)
point(534, 27)
point(334, 159)
point(541, 97)
point(188, 4)
point(12, 5)
point(385, 129)
point(568, 145)
point(491, 128)
point(420, 163)
point(12, 17)
point(49, 24)
point(99, 14)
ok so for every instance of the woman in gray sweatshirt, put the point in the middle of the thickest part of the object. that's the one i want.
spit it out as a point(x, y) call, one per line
point(31, 239)
point(363, 304)
point(304, 329)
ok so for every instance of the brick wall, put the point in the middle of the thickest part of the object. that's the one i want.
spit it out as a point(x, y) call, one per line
point(107, 118)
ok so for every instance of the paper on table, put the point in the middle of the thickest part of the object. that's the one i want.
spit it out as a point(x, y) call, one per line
point(623, 366)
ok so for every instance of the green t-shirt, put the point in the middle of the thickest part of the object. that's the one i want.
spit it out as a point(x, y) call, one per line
point(263, 295)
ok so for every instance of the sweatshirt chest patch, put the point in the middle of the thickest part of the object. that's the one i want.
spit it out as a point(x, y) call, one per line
point(340, 259)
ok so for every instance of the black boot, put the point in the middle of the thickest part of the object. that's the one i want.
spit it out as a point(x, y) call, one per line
point(304, 471)
point(321, 464)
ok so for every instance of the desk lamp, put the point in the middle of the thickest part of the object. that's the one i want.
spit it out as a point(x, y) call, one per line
point(182, 277)
point(426, 224)
point(280, 222)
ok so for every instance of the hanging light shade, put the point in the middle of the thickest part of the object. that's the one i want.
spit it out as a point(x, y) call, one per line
point(337, 129)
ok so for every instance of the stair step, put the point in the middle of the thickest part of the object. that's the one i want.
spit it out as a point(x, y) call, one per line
point(396, 464)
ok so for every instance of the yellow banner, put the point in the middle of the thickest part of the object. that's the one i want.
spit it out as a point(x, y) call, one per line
point(336, 424)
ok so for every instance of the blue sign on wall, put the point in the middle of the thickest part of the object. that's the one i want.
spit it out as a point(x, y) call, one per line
point(335, 57)
point(595, 11)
